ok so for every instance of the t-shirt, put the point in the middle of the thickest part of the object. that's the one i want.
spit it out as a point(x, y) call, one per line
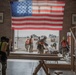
point(3, 46)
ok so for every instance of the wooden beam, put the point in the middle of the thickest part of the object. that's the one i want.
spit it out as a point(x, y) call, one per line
point(73, 33)
point(34, 54)
point(59, 66)
point(34, 57)
point(73, 27)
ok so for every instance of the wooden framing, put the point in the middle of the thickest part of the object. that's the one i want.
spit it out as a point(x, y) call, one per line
point(73, 56)
point(42, 61)
point(40, 57)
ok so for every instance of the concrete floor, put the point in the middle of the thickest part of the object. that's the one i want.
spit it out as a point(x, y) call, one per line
point(26, 67)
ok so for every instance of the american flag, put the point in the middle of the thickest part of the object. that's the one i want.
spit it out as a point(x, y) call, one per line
point(42, 15)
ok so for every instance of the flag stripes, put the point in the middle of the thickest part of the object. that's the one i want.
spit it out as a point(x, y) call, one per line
point(45, 15)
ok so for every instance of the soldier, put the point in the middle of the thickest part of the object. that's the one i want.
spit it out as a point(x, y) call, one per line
point(3, 53)
point(27, 44)
point(41, 44)
point(64, 46)
point(31, 44)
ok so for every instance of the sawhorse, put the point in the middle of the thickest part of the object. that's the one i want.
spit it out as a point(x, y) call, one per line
point(43, 65)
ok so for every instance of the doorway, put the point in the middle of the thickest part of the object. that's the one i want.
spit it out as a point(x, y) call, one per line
point(20, 37)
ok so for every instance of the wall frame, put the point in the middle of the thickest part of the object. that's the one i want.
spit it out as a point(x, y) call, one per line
point(1, 17)
point(74, 19)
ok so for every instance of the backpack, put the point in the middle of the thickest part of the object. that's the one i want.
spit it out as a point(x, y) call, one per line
point(27, 41)
point(64, 44)
point(40, 45)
